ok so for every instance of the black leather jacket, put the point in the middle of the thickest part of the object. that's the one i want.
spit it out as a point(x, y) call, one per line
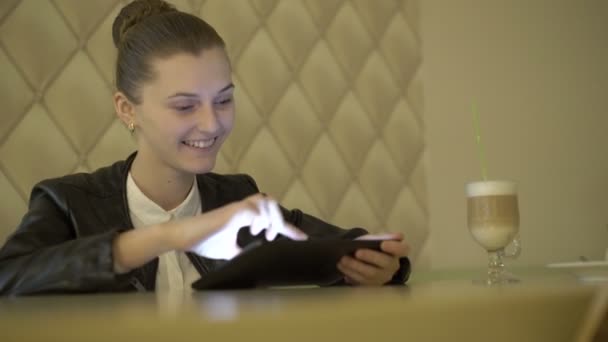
point(64, 242)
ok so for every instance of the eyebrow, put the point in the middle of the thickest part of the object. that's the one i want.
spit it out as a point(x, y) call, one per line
point(180, 94)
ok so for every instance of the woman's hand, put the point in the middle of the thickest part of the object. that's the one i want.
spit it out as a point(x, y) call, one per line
point(258, 212)
point(370, 267)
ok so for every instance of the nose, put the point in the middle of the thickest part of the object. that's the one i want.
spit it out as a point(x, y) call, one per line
point(207, 120)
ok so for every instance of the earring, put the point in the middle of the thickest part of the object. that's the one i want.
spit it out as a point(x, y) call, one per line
point(131, 127)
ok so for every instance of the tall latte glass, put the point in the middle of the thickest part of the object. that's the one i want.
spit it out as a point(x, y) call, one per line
point(493, 220)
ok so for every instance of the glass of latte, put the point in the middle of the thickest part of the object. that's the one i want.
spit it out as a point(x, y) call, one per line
point(493, 220)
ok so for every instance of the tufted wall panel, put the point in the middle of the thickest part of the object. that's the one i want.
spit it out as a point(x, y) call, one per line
point(329, 103)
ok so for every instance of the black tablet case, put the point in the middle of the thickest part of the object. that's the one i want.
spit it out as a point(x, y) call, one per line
point(284, 262)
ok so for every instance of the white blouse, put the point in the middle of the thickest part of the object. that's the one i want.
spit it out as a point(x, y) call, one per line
point(175, 271)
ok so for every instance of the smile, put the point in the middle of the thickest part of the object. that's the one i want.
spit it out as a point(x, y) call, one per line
point(202, 144)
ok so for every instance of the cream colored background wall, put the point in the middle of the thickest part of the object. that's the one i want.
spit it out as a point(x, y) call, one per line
point(539, 73)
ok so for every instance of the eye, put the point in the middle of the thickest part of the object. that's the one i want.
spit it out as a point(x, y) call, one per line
point(224, 101)
point(184, 108)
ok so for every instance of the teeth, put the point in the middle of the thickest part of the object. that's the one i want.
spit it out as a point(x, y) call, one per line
point(200, 143)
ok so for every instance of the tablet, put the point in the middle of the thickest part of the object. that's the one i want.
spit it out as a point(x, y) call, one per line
point(284, 263)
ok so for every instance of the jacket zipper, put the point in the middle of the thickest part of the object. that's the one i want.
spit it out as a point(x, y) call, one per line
point(201, 267)
point(138, 285)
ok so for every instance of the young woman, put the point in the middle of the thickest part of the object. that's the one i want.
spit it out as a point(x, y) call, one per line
point(133, 225)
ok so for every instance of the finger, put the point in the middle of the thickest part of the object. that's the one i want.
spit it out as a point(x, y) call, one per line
point(352, 276)
point(398, 236)
point(349, 280)
point(361, 268)
point(259, 222)
point(254, 201)
point(386, 236)
point(259, 197)
point(296, 233)
point(279, 226)
point(395, 248)
point(375, 258)
point(381, 276)
point(276, 221)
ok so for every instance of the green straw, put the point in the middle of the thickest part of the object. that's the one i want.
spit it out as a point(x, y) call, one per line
point(482, 161)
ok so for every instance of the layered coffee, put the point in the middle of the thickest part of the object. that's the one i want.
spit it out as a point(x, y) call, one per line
point(493, 213)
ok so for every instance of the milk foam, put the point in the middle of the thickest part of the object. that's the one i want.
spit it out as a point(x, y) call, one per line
point(491, 188)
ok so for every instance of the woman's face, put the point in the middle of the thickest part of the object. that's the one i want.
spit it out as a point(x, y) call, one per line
point(186, 111)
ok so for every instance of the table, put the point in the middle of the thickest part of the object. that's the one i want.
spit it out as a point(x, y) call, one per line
point(436, 306)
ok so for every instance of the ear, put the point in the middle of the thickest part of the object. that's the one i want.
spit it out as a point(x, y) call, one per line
point(125, 110)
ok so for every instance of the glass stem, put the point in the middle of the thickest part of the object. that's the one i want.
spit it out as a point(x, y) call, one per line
point(495, 267)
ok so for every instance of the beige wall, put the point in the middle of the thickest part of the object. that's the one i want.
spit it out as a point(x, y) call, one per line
point(539, 73)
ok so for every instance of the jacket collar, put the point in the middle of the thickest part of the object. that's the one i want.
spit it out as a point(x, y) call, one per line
point(146, 274)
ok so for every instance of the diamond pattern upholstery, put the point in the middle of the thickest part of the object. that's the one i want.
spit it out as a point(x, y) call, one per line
point(330, 107)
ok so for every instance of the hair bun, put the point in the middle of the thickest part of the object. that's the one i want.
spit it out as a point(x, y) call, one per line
point(134, 13)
